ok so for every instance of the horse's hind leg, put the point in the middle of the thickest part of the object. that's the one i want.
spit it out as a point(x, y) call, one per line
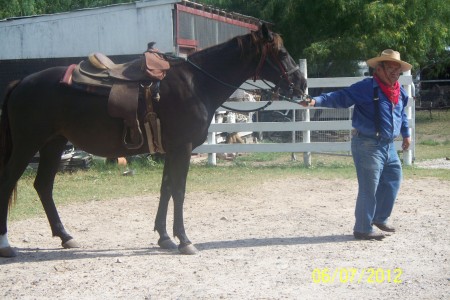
point(50, 157)
point(6, 189)
point(14, 168)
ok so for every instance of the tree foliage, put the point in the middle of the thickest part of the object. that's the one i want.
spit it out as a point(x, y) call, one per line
point(332, 33)
point(20, 8)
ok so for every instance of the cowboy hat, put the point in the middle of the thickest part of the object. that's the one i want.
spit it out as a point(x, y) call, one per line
point(389, 55)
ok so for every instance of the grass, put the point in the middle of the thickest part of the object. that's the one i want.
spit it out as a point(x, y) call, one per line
point(432, 135)
point(104, 181)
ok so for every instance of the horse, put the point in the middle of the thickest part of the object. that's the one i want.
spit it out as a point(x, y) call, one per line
point(41, 114)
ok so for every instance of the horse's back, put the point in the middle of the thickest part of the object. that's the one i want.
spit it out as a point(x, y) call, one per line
point(37, 85)
point(47, 76)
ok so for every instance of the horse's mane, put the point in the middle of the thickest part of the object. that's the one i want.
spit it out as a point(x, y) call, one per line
point(276, 43)
point(210, 49)
point(255, 39)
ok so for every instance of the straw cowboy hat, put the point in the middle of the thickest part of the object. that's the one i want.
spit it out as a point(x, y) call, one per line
point(389, 55)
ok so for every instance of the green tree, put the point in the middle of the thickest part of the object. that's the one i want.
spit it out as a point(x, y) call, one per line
point(246, 7)
point(20, 8)
point(332, 33)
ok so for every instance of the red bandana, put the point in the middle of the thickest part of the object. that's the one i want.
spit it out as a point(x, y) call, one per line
point(392, 92)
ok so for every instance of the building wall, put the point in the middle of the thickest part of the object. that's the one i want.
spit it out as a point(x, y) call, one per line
point(114, 30)
point(122, 31)
point(200, 28)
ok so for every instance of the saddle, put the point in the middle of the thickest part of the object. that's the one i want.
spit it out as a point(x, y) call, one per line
point(123, 84)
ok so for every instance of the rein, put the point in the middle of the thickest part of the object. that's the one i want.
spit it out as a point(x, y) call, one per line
point(284, 75)
point(233, 87)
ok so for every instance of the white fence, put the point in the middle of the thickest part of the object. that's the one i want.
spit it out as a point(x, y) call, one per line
point(303, 125)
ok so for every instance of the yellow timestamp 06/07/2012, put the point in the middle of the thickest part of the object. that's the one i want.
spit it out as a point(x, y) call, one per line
point(357, 275)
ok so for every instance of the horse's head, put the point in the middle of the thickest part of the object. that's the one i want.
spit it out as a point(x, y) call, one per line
point(277, 65)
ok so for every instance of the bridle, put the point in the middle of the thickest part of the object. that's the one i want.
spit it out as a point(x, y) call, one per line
point(267, 49)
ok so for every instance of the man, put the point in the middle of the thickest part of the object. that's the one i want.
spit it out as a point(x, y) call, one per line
point(378, 118)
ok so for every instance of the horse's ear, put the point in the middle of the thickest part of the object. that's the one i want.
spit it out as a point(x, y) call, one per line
point(266, 33)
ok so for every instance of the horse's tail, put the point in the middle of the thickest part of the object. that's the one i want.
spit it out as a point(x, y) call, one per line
point(5, 136)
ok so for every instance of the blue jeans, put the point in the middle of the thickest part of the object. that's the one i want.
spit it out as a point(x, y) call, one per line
point(379, 173)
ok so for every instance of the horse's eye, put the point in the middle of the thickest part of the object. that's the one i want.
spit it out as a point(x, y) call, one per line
point(283, 54)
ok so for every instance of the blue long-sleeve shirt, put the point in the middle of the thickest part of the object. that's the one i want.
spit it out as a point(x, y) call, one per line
point(393, 120)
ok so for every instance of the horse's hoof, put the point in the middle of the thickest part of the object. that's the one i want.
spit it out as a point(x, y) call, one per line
point(70, 244)
point(167, 244)
point(8, 252)
point(188, 249)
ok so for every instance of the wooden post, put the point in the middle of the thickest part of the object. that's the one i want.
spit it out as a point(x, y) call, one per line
point(407, 154)
point(212, 157)
point(306, 134)
point(293, 155)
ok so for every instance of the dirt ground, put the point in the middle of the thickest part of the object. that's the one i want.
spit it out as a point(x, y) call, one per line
point(272, 241)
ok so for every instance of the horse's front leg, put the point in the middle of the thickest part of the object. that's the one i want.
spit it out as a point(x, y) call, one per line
point(161, 217)
point(179, 161)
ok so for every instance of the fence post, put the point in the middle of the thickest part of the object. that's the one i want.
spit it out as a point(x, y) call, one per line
point(306, 134)
point(212, 157)
point(407, 154)
point(293, 155)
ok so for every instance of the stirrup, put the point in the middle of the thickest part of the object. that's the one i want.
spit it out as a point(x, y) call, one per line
point(131, 146)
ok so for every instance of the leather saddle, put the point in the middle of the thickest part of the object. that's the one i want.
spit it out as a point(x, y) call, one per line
point(122, 82)
point(99, 67)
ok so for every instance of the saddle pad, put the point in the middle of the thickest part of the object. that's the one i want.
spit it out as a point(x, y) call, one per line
point(67, 78)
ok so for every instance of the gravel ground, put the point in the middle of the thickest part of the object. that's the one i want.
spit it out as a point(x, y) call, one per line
point(289, 238)
point(438, 163)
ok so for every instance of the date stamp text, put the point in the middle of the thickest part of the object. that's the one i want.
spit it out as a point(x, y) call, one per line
point(357, 275)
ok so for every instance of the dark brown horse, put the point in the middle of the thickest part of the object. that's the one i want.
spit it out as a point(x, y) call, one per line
point(40, 114)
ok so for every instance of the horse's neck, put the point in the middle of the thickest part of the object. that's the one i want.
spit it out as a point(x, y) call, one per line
point(225, 69)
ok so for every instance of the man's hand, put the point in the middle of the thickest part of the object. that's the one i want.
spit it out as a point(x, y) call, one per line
point(307, 102)
point(406, 143)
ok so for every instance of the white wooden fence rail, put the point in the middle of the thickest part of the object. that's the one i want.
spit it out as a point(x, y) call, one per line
point(306, 126)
